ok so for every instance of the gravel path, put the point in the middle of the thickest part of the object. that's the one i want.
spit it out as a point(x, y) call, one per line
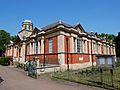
point(17, 79)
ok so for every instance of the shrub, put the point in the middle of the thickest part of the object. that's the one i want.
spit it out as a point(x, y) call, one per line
point(4, 61)
point(117, 63)
point(20, 65)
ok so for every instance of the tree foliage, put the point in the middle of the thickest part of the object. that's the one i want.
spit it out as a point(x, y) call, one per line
point(13, 38)
point(107, 37)
point(117, 43)
point(4, 40)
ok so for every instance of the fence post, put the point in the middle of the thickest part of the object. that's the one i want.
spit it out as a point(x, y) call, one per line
point(112, 80)
point(36, 74)
point(36, 61)
point(101, 75)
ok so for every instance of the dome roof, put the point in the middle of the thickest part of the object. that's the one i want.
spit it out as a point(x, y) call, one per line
point(28, 21)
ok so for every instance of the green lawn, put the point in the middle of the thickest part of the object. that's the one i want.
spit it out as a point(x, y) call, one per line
point(91, 77)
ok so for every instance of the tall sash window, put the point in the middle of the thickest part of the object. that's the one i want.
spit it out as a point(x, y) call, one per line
point(36, 46)
point(50, 45)
point(79, 45)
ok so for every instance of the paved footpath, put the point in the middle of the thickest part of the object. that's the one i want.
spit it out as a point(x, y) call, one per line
point(17, 79)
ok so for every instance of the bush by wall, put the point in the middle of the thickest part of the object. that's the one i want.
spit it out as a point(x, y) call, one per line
point(4, 61)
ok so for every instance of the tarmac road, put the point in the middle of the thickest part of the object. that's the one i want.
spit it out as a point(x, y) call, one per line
point(17, 79)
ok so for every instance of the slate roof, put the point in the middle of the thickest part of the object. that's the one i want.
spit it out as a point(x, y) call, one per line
point(56, 24)
point(92, 33)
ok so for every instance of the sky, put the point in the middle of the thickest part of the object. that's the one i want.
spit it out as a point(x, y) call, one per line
point(101, 16)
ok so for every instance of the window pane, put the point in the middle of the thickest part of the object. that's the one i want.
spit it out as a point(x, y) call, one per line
point(36, 45)
point(50, 45)
point(78, 45)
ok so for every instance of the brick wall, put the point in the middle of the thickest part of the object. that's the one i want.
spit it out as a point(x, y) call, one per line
point(77, 58)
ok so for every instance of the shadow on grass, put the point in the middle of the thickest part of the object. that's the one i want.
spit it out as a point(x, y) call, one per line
point(102, 85)
point(90, 83)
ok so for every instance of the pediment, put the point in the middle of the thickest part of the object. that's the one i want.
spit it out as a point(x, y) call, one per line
point(96, 35)
point(35, 32)
point(25, 33)
point(80, 28)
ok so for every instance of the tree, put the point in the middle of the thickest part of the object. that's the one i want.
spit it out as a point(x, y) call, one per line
point(102, 36)
point(4, 40)
point(13, 38)
point(107, 37)
point(117, 43)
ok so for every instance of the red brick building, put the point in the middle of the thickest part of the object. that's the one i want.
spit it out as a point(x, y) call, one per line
point(58, 43)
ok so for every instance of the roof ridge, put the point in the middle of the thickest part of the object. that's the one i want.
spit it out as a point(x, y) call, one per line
point(55, 24)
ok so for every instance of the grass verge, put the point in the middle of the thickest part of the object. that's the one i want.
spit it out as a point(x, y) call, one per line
point(91, 77)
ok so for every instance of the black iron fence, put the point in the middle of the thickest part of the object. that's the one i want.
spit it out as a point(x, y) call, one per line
point(109, 79)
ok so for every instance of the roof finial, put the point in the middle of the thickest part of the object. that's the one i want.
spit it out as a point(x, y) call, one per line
point(91, 31)
point(60, 21)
